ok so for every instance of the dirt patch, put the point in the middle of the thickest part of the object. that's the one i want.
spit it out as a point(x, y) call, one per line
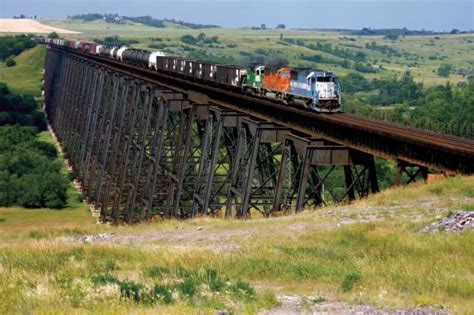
point(298, 304)
point(29, 26)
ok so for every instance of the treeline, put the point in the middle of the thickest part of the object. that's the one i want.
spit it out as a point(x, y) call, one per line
point(200, 40)
point(191, 25)
point(14, 45)
point(30, 174)
point(23, 110)
point(145, 20)
point(443, 108)
point(394, 33)
point(115, 41)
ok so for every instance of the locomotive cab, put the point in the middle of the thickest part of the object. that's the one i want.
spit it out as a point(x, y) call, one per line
point(325, 90)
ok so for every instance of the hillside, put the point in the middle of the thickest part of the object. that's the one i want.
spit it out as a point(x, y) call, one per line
point(367, 256)
point(372, 56)
point(26, 76)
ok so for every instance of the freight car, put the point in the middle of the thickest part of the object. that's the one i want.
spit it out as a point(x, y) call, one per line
point(137, 57)
point(314, 89)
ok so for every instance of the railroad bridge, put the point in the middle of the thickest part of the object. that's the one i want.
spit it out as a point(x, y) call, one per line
point(144, 143)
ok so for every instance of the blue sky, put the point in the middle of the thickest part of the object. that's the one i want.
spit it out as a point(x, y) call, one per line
point(413, 14)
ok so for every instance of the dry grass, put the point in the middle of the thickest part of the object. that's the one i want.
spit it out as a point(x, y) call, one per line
point(29, 26)
point(370, 252)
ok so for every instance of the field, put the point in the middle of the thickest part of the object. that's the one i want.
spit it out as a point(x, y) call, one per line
point(367, 256)
point(422, 55)
point(28, 26)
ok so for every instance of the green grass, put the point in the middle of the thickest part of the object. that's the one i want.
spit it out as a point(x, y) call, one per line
point(26, 76)
point(387, 263)
point(415, 50)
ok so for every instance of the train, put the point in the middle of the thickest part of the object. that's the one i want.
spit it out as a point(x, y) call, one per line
point(317, 90)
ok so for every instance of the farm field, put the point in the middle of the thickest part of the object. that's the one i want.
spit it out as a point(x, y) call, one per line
point(421, 55)
point(11, 26)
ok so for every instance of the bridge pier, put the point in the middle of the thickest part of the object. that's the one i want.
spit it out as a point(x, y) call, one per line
point(218, 152)
point(254, 170)
point(307, 164)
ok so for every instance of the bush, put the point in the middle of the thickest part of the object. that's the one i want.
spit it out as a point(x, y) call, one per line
point(15, 109)
point(30, 176)
point(53, 35)
point(14, 45)
point(10, 62)
point(445, 70)
point(349, 280)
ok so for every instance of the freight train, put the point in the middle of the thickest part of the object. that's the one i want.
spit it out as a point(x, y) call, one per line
point(317, 90)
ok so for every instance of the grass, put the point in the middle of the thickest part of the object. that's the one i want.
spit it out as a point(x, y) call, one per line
point(173, 267)
point(422, 55)
point(387, 262)
point(26, 76)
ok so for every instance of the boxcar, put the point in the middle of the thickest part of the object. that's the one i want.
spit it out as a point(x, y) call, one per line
point(154, 59)
point(92, 48)
point(85, 46)
point(191, 68)
point(229, 75)
point(168, 63)
point(209, 71)
point(176, 65)
point(160, 63)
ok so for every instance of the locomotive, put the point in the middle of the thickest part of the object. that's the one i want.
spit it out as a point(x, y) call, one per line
point(317, 90)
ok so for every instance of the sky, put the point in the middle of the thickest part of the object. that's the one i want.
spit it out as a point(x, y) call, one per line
point(435, 15)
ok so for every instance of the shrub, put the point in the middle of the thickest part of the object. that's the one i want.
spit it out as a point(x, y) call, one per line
point(349, 280)
point(444, 70)
point(29, 175)
point(14, 45)
point(10, 62)
point(53, 35)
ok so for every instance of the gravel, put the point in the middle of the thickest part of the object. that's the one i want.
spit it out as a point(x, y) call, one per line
point(458, 222)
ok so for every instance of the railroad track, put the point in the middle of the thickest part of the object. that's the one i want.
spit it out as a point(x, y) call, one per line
point(387, 140)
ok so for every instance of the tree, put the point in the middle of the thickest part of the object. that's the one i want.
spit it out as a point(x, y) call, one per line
point(445, 70)
point(276, 61)
point(53, 35)
point(10, 62)
point(281, 26)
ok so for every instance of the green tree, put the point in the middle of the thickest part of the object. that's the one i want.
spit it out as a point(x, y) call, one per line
point(444, 70)
point(10, 62)
point(53, 35)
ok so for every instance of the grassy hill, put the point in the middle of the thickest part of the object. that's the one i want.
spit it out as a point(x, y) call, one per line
point(371, 254)
point(26, 76)
point(422, 55)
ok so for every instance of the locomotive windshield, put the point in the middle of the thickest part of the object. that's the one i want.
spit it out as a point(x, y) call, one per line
point(325, 79)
